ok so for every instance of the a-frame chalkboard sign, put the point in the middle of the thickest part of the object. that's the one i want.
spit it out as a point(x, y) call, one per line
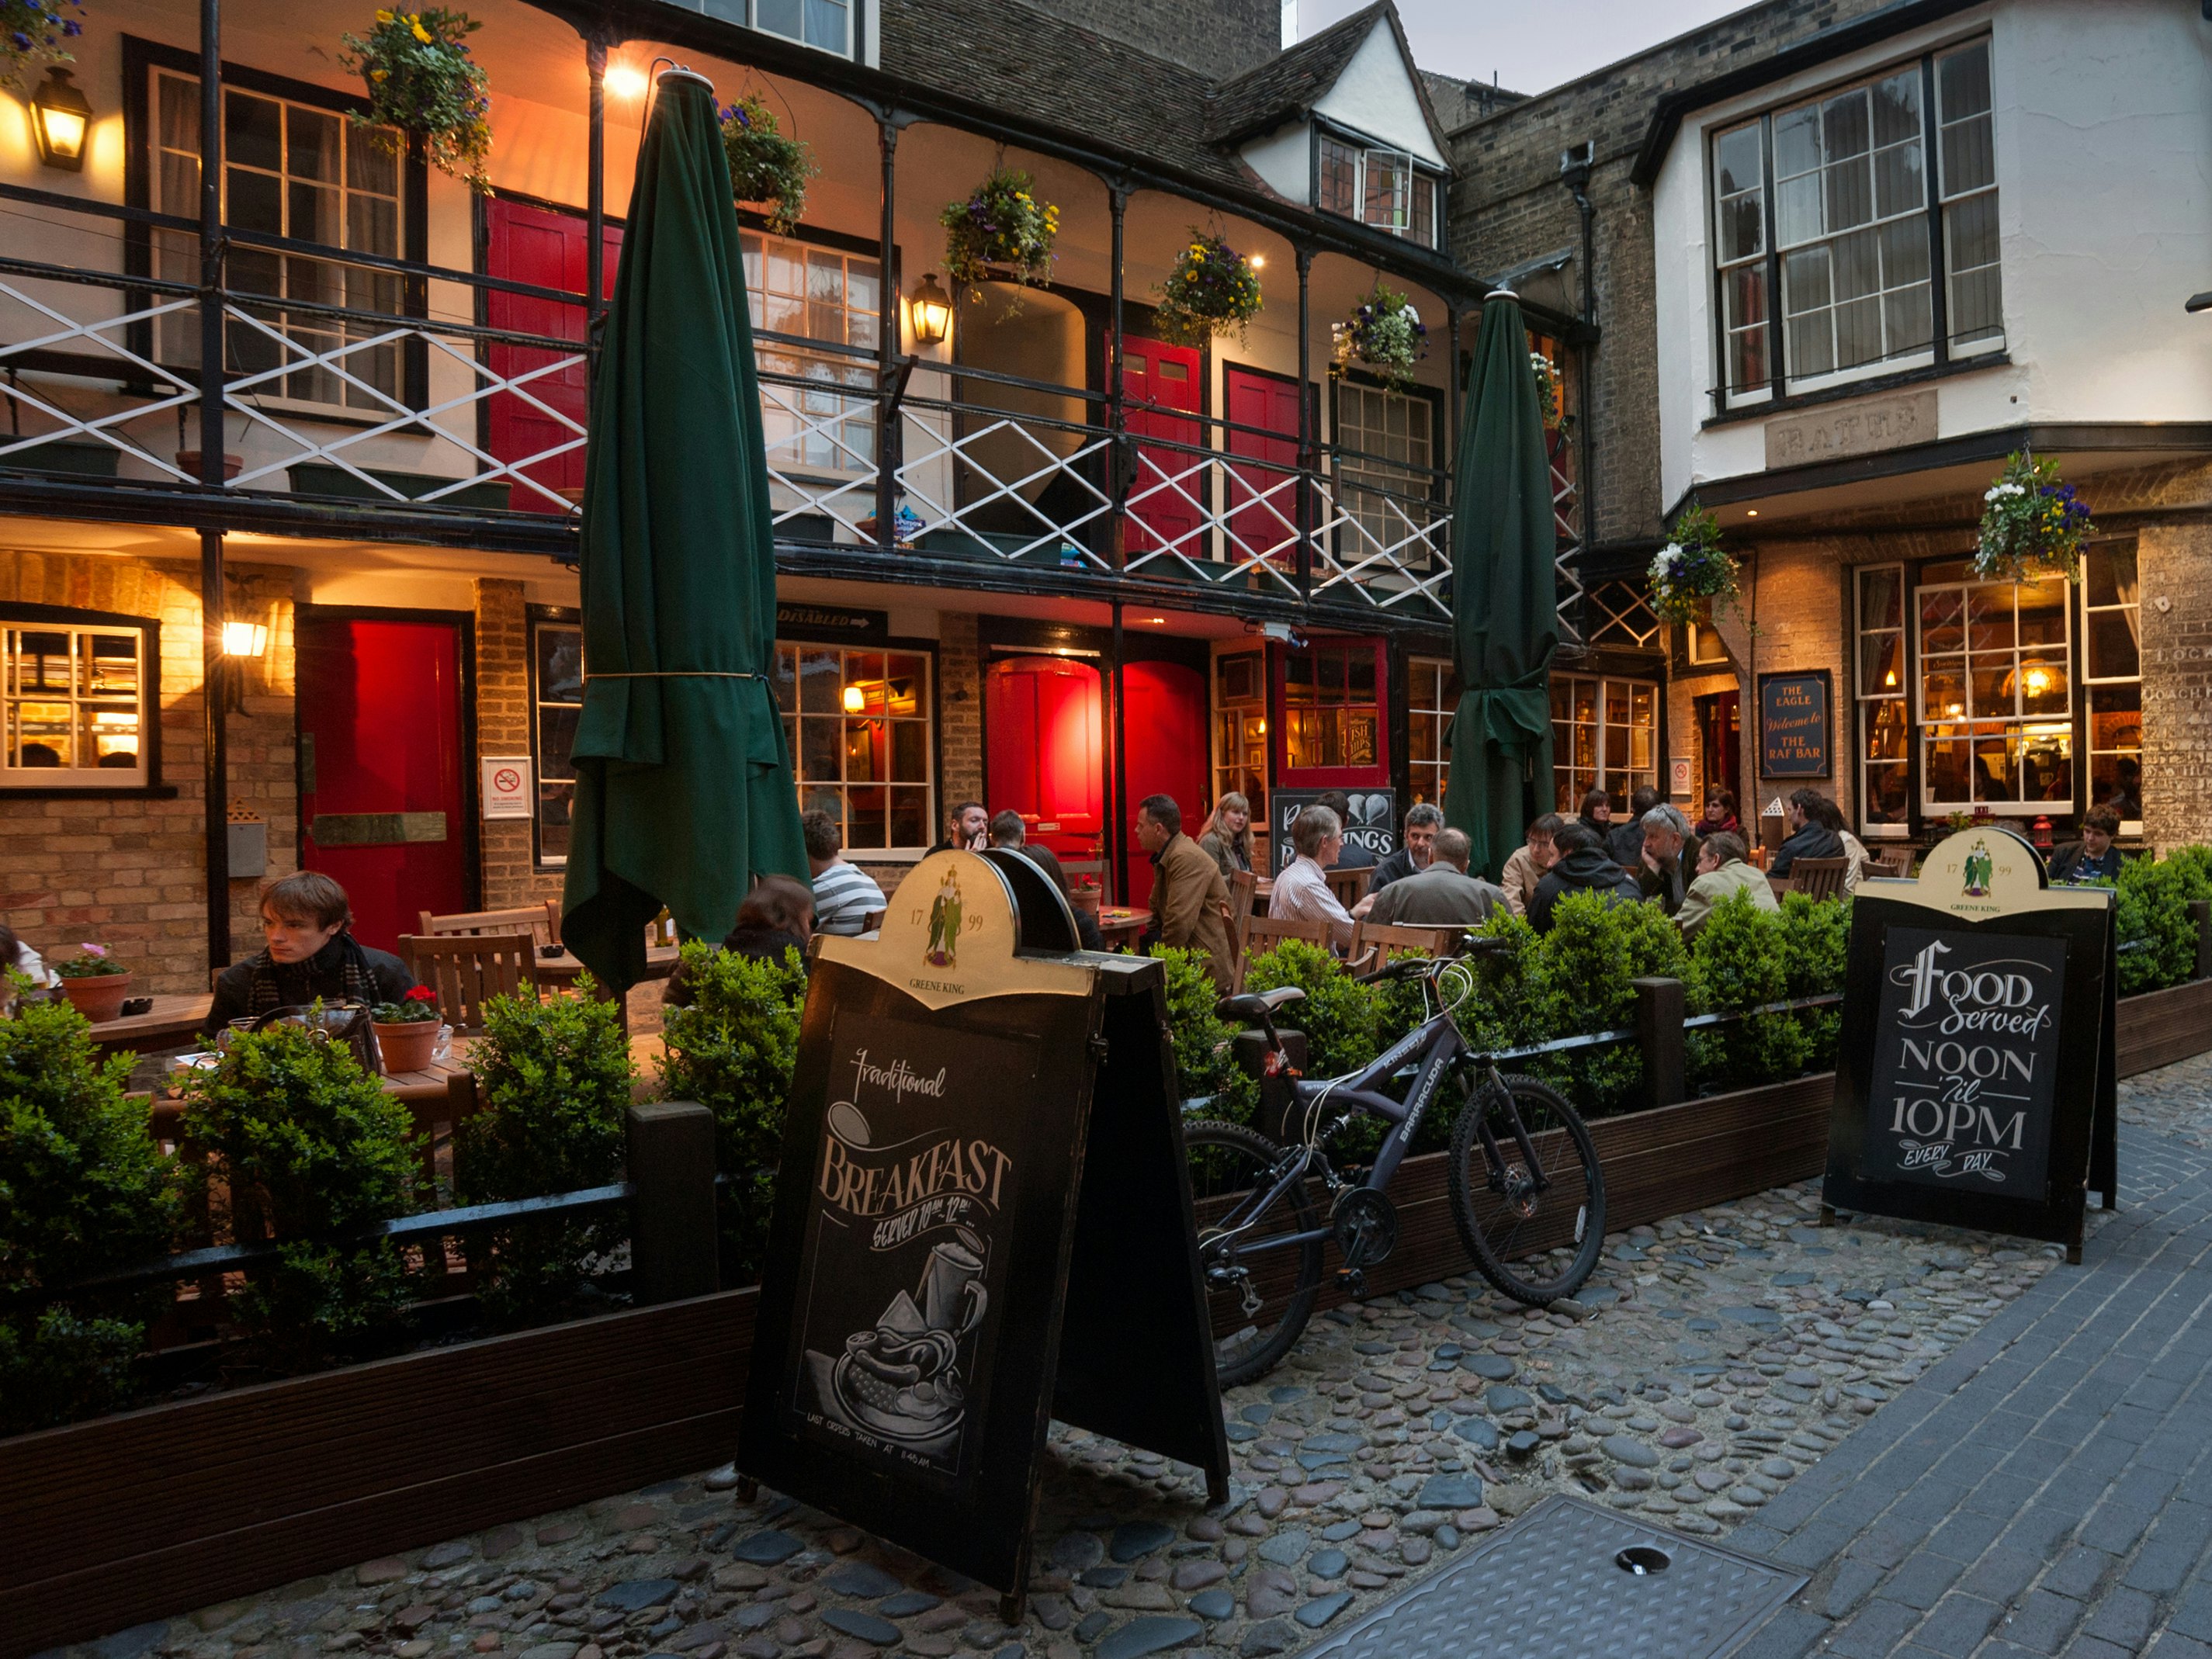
point(1975, 1080)
point(983, 1221)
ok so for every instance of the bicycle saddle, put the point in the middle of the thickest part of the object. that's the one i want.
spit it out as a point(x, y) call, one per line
point(1256, 1004)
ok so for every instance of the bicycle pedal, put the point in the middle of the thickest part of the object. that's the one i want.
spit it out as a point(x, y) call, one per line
point(1354, 1282)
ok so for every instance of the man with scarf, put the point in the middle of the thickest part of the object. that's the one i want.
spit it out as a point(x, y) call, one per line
point(310, 954)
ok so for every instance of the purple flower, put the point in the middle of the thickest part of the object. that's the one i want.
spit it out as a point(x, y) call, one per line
point(72, 28)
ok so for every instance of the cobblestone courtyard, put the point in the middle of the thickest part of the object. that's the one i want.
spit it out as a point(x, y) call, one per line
point(1711, 1361)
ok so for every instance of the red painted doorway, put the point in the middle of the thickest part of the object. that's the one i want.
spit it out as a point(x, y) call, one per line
point(1171, 483)
point(1165, 728)
point(384, 807)
point(1263, 510)
point(1046, 750)
point(545, 246)
point(1720, 736)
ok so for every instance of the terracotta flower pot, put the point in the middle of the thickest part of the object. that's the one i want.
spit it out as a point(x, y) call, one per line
point(98, 997)
point(408, 1046)
point(188, 461)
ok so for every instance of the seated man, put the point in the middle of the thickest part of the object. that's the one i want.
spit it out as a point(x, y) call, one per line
point(1414, 852)
point(1527, 866)
point(309, 953)
point(1007, 831)
point(1585, 867)
point(967, 829)
point(2093, 856)
point(1301, 892)
point(1816, 831)
point(777, 915)
point(1721, 871)
point(1625, 840)
point(1670, 853)
point(1442, 896)
point(1190, 901)
point(845, 896)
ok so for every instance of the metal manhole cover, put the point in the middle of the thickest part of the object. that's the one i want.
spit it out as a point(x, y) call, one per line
point(1563, 1583)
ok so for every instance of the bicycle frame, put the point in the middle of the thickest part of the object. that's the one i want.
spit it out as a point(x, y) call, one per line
point(1440, 1049)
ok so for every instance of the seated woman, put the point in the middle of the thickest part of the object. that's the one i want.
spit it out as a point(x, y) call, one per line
point(776, 916)
point(310, 954)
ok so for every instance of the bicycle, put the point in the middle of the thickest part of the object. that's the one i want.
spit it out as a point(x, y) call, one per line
point(1526, 1194)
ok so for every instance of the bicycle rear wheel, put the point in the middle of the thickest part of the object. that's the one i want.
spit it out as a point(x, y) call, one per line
point(1533, 1233)
point(1260, 1289)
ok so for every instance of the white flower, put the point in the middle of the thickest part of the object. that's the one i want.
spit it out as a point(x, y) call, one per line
point(1997, 492)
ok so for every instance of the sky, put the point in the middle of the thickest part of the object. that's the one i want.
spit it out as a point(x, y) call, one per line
point(1530, 45)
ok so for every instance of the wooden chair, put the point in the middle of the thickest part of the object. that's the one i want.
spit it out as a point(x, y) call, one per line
point(1267, 931)
point(873, 920)
point(541, 922)
point(1242, 885)
point(1781, 887)
point(467, 968)
point(1820, 878)
point(1350, 887)
point(1895, 863)
point(1373, 941)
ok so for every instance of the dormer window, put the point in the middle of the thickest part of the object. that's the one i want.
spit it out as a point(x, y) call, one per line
point(1383, 189)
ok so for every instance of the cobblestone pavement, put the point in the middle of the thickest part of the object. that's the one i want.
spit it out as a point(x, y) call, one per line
point(2041, 1489)
point(2174, 1102)
point(1709, 1363)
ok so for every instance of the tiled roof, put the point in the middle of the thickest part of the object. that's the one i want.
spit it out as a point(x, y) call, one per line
point(1046, 69)
point(1287, 86)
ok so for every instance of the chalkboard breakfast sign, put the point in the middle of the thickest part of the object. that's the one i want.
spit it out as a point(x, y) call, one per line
point(1975, 1078)
point(1793, 724)
point(975, 1126)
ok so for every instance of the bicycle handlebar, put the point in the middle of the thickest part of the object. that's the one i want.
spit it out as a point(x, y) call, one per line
point(1421, 967)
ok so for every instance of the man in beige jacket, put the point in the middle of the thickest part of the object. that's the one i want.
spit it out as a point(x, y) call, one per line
point(1190, 901)
point(1721, 872)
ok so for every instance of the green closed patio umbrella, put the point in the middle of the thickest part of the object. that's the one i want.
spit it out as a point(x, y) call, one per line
point(1504, 600)
point(684, 781)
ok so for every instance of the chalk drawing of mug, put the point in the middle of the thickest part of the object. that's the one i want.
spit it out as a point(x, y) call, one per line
point(952, 1294)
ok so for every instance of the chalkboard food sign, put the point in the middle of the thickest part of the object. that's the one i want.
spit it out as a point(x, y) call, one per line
point(966, 1243)
point(1793, 724)
point(1374, 823)
point(1975, 1077)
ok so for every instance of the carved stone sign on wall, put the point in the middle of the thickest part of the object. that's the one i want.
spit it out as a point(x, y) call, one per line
point(1851, 428)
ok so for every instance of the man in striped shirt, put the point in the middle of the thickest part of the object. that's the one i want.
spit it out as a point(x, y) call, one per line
point(845, 896)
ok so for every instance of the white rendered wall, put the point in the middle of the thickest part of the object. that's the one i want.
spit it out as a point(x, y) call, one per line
point(1375, 96)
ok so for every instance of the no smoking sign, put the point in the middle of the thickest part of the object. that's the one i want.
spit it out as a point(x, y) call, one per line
point(507, 786)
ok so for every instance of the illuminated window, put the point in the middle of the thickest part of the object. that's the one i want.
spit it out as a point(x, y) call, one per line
point(1604, 736)
point(859, 725)
point(556, 700)
point(1433, 697)
point(74, 706)
point(1240, 731)
point(2112, 670)
point(1884, 702)
point(1331, 711)
point(1994, 683)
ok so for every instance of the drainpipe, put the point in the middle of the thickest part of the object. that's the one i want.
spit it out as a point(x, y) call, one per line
point(214, 784)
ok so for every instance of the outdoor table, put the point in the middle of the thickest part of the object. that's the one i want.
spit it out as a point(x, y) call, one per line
point(563, 970)
point(1122, 925)
point(175, 1021)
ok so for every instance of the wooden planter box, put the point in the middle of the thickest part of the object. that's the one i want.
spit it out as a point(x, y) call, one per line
point(2159, 1027)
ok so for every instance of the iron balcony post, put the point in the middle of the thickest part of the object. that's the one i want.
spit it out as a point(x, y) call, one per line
point(215, 783)
point(1306, 494)
point(887, 341)
point(595, 202)
point(1122, 458)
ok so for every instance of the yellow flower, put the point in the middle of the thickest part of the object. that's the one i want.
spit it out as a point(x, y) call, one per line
point(422, 34)
point(384, 17)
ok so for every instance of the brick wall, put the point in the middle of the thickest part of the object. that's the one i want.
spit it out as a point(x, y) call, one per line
point(510, 876)
point(1508, 205)
point(959, 712)
point(129, 872)
point(1800, 619)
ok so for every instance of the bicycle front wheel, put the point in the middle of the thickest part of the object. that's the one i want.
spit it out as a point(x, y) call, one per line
point(1260, 1280)
point(1533, 1224)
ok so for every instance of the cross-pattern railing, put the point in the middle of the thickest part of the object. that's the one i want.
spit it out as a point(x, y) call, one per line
point(430, 407)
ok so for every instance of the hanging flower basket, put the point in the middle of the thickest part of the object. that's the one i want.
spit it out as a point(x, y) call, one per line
point(1386, 334)
point(1693, 573)
point(1547, 390)
point(1001, 232)
point(32, 33)
point(2033, 525)
point(769, 169)
point(1211, 289)
point(423, 81)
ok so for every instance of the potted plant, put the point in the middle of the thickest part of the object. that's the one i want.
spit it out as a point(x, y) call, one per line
point(1548, 404)
point(95, 983)
point(1386, 334)
point(423, 81)
point(2033, 525)
point(769, 169)
point(407, 1031)
point(1001, 232)
point(31, 32)
point(1692, 576)
point(1211, 289)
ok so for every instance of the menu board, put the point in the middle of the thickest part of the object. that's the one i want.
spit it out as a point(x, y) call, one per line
point(1373, 824)
point(1793, 724)
point(1975, 1073)
point(982, 1220)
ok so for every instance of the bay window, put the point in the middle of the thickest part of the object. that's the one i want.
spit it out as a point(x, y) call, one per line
point(1831, 217)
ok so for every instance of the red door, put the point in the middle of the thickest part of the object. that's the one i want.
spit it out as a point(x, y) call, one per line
point(1046, 758)
point(1263, 514)
point(545, 246)
point(1166, 726)
point(1171, 483)
point(382, 806)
